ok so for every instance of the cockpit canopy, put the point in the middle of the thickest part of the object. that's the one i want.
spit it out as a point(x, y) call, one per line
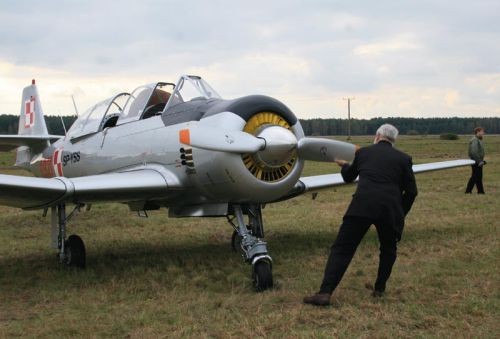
point(101, 115)
point(144, 102)
point(154, 99)
point(190, 88)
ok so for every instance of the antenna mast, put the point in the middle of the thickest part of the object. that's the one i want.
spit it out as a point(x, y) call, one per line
point(74, 104)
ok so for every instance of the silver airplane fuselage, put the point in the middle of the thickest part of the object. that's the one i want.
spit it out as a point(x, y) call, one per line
point(213, 177)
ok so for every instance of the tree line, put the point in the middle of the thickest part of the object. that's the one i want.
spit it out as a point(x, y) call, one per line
point(422, 126)
point(9, 124)
point(413, 126)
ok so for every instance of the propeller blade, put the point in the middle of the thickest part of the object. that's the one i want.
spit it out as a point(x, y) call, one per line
point(327, 150)
point(221, 141)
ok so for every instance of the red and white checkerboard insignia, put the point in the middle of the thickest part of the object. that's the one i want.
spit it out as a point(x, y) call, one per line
point(57, 162)
point(29, 112)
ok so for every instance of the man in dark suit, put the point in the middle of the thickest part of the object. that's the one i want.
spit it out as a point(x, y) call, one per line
point(384, 196)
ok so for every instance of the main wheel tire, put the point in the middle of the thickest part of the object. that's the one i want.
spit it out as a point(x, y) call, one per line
point(74, 250)
point(262, 276)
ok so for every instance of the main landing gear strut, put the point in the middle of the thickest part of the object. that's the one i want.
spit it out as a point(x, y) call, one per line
point(71, 249)
point(247, 239)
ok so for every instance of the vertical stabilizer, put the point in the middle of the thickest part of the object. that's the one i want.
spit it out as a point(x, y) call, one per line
point(31, 121)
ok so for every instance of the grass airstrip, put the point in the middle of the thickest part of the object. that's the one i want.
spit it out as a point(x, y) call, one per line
point(160, 277)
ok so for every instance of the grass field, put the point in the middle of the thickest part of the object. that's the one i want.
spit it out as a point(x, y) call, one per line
point(161, 277)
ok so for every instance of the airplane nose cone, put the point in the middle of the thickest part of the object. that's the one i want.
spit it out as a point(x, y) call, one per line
point(280, 147)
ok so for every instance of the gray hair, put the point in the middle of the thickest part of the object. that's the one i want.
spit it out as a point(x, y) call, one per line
point(388, 132)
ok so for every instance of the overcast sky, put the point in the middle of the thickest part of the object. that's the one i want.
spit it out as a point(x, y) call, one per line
point(397, 58)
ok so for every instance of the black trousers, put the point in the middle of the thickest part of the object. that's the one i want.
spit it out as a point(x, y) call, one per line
point(475, 179)
point(352, 230)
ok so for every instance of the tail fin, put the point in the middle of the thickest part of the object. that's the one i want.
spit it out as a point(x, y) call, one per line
point(31, 121)
point(33, 136)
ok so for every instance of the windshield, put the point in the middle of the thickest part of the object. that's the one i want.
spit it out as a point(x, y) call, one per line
point(118, 103)
point(135, 103)
point(146, 101)
point(190, 88)
point(90, 121)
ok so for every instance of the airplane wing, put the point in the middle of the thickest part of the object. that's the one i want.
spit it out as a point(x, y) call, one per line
point(134, 185)
point(318, 182)
point(10, 142)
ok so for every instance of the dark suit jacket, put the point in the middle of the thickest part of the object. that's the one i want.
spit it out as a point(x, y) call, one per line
point(386, 188)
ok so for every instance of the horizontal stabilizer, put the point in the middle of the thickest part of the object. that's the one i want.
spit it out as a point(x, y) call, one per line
point(10, 142)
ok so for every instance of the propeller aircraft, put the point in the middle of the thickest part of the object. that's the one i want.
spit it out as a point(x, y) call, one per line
point(171, 145)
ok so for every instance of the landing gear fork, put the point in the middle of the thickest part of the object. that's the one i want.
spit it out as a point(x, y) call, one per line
point(71, 250)
point(254, 249)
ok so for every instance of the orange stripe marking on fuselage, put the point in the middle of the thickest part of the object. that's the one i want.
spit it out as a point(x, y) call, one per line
point(46, 168)
point(184, 137)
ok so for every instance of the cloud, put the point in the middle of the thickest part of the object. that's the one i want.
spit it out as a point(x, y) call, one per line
point(397, 44)
point(451, 98)
point(398, 58)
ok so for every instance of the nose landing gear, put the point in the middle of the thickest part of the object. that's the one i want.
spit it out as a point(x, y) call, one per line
point(262, 276)
point(248, 240)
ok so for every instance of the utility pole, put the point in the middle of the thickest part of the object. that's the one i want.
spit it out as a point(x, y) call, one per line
point(348, 116)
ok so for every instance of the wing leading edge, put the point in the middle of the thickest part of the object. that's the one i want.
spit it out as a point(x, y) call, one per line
point(320, 182)
point(135, 185)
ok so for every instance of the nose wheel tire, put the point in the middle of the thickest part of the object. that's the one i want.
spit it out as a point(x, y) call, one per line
point(74, 251)
point(262, 276)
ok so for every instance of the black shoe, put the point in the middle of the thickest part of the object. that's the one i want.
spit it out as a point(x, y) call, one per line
point(318, 299)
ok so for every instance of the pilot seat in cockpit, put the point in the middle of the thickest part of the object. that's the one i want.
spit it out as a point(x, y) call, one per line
point(156, 103)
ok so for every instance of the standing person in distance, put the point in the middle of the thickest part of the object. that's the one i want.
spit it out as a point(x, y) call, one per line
point(476, 153)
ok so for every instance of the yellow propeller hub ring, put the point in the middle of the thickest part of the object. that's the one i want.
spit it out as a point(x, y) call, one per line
point(259, 169)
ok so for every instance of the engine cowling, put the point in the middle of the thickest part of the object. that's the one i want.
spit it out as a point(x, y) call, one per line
point(261, 176)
